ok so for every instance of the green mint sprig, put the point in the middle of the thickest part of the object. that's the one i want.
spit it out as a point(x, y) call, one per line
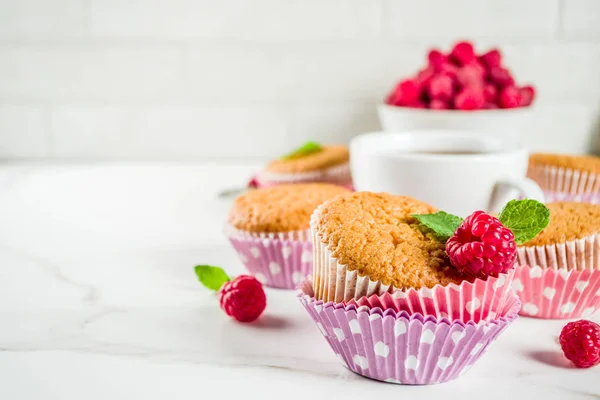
point(304, 150)
point(443, 224)
point(525, 218)
point(211, 277)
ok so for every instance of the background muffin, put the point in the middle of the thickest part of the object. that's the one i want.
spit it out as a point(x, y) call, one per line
point(310, 163)
point(558, 275)
point(566, 177)
point(269, 230)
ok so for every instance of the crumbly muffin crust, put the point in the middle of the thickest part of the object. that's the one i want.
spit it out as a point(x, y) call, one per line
point(582, 163)
point(375, 234)
point(568, 221)
point(330, 156)
point(282, 208)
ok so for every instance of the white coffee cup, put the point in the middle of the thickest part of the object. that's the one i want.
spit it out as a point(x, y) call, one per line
point(455, 172)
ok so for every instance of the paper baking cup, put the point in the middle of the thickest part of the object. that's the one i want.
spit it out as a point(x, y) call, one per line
point(557, 293)
point(280, 260)
point(563, 180)
point(403, 348)
point(580, 254)
point(591, 198)
point(469, 301)
point(339, 174)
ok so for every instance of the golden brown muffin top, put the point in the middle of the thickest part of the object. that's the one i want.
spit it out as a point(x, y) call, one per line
point(582, 163)
point(568, 221)
point(329, 156)
point(375, 234)
point(280, 208)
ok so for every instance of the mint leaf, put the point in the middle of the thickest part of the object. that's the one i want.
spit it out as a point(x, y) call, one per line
point(525, 218)
point(443, 224)
point(211, 277)
point(304, 150)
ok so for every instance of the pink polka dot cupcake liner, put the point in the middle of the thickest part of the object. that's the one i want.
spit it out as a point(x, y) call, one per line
point(468, 301)
point(565, 184)
point(557, 293)
point(339, 174)
point(279, 261)
point(403, 348)
point(560, 281)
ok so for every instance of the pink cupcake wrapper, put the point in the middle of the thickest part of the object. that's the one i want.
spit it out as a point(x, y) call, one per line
point(557, 293)
point(477, 300)
point(276, 260)
point(564, 180)
point(470, 301)
point(577, 254)
point(591, 198)
point(404, 349)
point(339, 174)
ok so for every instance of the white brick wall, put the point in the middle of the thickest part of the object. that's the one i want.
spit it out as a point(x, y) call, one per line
point(189, 79)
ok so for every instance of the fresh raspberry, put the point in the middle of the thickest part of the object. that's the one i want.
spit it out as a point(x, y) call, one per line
point(580, 341)
point(462, 53)
point(253, 183)
point(490, 106)
point(510, 97)
point(436, 59)
point(440, 88)
point(501, 77)
point(490, 93)
point(243, 298)
point(405, 93)
point(470, 98)
point(417, 104)
point(491, 59)
point(482, 246)
point(438, 105)
point(423, 77)
point(527, 95)
point(470, 75)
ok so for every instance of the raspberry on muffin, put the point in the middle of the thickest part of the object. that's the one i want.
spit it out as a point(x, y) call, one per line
point(374, 234)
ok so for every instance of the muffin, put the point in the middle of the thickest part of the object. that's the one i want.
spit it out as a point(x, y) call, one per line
point(559, 270)
point(269, 229)
point(386, 298)
point(566, 177)
point(367, 244)
point(321, 164)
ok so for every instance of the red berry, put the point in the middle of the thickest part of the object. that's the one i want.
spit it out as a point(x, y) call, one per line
point(406, 93)
point(243, 298)
point(440, 87)
point(470, 75)
point(470, 98)
point(490, 93)
point(490, 106)
point(253, 184)
point(482, 246)
point(580, 341)
point(527, 95)
point(491, 59)
point(462, 53)
point(438, 105)
point(423, 77)
point(501, 77)
point(436, 59)
point(417, 104)
point(510, 97)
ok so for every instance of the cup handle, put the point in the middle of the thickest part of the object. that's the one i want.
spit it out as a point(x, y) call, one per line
point(509, 189)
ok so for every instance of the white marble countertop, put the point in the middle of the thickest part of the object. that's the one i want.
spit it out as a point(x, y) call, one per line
point(98, 300)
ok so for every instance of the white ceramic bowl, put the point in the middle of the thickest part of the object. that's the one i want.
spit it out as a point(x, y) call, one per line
point(511, 124)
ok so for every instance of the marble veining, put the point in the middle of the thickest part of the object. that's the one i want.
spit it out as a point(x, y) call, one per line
point(98, 300)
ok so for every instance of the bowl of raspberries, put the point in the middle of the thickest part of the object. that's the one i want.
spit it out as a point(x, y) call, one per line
point(460, 90)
